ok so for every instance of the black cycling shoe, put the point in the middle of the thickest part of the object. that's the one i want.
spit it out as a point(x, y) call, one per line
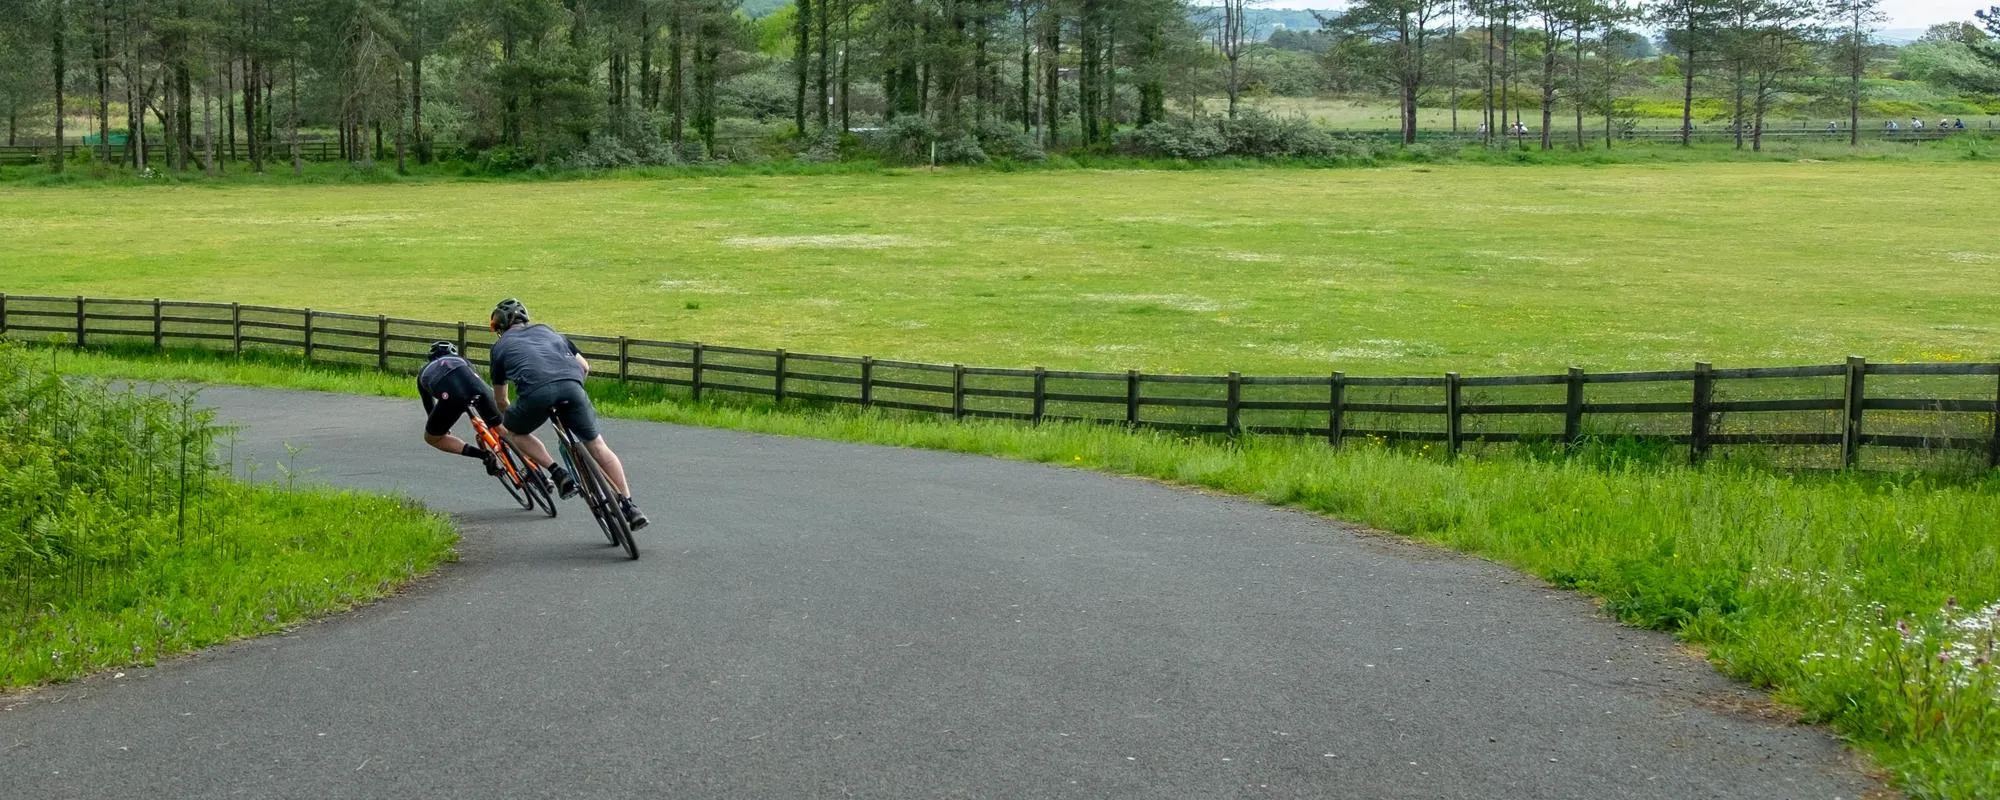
point(566, 486)
point(633, 516)
point(492, 462)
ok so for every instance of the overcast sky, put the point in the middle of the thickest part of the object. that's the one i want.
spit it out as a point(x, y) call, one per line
point(1925, 13)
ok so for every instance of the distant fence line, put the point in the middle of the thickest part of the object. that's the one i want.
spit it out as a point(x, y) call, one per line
point(276, 153)
point(1901, 415)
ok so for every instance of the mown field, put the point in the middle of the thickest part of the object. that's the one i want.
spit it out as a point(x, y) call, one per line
point(1413, 269)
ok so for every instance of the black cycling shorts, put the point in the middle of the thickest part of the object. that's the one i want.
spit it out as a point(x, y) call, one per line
point(460, 391)
point(564, 399)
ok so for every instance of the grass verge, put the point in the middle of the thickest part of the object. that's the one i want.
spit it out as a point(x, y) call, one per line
point(1870, 602)
point(124, 540)
point(282, 557)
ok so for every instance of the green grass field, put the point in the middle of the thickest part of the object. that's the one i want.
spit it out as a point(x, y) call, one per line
point(1418, 269)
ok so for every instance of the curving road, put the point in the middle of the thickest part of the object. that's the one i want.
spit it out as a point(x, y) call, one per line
point(814, 619)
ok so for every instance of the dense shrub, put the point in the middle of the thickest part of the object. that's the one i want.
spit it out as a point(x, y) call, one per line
point(1005, 140)
point(1260, 135)
point(962, 149)
point(1252, 134)
point(1173, 138)
point(500, 159)
point(907, 139)
point(638, 140)
point(823, 148)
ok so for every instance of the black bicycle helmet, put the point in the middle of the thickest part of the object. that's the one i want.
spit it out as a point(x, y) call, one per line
point(442, 349)
point(508, 314)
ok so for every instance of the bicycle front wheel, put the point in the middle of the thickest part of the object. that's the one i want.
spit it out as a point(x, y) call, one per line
point(512, 475)
point(603, 502)
point(538, 483)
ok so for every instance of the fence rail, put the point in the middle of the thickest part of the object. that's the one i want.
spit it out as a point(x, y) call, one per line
point(1880, 415)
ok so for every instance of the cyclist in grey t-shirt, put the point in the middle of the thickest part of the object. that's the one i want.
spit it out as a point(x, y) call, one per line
point(547, 371)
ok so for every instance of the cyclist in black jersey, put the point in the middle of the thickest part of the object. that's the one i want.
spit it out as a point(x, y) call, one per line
point(450, 387)
point(547, 371)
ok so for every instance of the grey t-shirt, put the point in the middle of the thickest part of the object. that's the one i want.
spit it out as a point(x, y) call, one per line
point(533, 357)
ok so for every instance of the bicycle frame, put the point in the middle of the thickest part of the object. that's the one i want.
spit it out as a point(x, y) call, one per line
point(493, 443)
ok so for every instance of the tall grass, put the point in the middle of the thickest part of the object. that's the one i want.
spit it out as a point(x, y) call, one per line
point(123, 537)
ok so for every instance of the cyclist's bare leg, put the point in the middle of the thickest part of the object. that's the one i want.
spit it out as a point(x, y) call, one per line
point(447, 443)
point(530, 447)
point(613, 468)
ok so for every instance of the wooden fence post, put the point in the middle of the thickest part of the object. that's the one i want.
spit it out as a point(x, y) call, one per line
point(1131, 397)
point(1452, 423)
point(382, 342)
point(1992, 450)
point(1233, 404)
point(80, 317)
point(1851, 403)
point(695, 376)
point(778, 376)
point(958, 391)
point(1573, 409)
point(461, 344)
point(1704, 390)
point(159, 325)
point(1335, 411)
point(309, 334)
point(3, 313)
point(236, 327)
point(867, 380)
point(624, 360)
point(1041, 398)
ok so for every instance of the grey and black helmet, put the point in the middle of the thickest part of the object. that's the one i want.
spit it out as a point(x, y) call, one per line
point(508, 314)
point(442, 349)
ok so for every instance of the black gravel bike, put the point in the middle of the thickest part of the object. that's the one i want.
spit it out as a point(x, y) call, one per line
point(596, 490)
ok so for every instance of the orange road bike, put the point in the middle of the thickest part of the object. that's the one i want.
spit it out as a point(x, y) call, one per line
point(525, 482)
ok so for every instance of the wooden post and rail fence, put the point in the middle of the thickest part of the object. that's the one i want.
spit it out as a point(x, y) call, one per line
point(1859, 413)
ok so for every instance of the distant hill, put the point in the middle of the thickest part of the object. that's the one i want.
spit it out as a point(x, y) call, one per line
point(1265, 21)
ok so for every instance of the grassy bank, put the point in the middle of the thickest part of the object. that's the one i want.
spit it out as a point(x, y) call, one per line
point(1870, 602)
point(124, 540)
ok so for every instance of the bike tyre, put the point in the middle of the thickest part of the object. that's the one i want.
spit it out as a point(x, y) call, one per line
point(514, 488)
point(586, 486)
point(538, 488)
point(604, 504)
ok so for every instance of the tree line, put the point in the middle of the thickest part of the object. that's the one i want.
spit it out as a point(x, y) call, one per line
point(213, 82)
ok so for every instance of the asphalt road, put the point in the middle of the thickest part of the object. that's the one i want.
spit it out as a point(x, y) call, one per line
point(813, 619)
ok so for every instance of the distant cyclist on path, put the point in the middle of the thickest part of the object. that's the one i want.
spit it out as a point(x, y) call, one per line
point(547, 371)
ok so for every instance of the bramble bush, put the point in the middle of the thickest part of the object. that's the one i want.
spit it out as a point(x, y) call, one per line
point(123, 537)
point(1252, 134)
